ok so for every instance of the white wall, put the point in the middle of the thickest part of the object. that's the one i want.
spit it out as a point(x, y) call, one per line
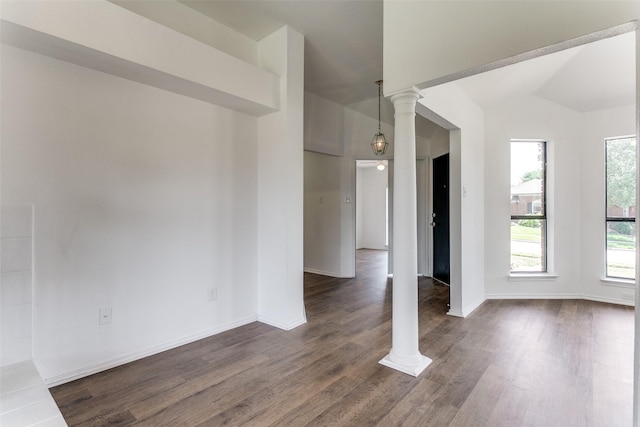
point(322, 205)
point(595, 127)
point(281, 186)
point(359, 210)
point(323, 125)
point(575, 196)
point(371, 208)
point(535, 118)
point(16, 266)
point(439, 146)
point(143, 200)
point(327, 173)
point(451, 107)
point(188, 21)
point(81, 32)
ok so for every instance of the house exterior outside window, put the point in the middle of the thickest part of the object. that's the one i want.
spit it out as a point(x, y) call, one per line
point(528, 206)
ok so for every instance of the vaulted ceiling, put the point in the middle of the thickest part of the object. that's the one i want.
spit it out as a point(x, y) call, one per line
point(343, 39)
point(592, 77)
point(343, 58)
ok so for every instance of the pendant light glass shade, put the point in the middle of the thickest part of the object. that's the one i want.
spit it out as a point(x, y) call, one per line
point(379, 144)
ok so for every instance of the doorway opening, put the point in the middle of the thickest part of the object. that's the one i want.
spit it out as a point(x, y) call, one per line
point(372, 207)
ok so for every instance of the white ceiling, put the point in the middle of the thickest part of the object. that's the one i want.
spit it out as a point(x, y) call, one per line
point(586, 78)
point(343, 58)
point(343, 39)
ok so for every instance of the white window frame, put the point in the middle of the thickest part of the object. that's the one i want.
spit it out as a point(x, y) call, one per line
point(549, 274)
point(606, 279)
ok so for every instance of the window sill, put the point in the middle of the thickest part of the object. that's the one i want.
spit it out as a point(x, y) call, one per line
point(617, 282)
point(522, 277)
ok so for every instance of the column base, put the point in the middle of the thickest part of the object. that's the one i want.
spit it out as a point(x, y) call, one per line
point(413, 368)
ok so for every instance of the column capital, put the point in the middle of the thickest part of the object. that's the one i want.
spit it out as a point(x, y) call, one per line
point(405, 101)
point(407, 94)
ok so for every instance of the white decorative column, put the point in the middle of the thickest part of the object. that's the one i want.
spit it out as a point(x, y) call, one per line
point(405, 355)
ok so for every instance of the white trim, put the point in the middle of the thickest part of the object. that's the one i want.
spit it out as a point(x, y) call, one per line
point(608, 138)
point(437, 280)
point(326, 273)
point(470, 308)
point(606, 280)
point(407, 368)
point(618, 301)
point(534, 296)
point(549, 198)
point(525, 277)
point(281, 325)
point(150, 351)
point(618, 282)
point(560, 296)
point(410, 90)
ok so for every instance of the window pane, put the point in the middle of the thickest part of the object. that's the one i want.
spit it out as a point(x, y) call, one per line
point(527, 178)
point(621, 178)
point(528, 245)
point(621, 249)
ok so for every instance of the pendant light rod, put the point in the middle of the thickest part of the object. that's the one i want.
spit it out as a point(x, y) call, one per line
point(379, 83)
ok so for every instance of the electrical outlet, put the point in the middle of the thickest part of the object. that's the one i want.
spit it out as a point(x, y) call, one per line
point(105, 316)
point(212, 294)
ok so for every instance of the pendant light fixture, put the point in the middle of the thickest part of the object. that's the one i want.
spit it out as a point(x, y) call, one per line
point(379, 144)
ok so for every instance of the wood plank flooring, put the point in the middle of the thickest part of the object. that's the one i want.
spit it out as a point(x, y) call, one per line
point(511, 363)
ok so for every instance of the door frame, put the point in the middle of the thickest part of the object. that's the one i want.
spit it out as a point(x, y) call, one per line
point(424, 198)
point(356, 198)
point(424, 203)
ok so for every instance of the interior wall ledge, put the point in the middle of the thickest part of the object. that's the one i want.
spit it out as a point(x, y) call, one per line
point(108, 38)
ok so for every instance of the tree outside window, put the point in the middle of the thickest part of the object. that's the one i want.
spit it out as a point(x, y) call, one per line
point(621, 207)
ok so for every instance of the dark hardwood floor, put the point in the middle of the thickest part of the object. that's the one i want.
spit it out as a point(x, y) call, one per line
point(510, 363)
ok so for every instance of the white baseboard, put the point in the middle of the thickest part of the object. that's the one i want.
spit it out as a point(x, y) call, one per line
point(326, 273)
point(609, 300)
point(277, 323)
point(533, 296)
point(471, 307)
point(108, 364)
point(562, 296)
